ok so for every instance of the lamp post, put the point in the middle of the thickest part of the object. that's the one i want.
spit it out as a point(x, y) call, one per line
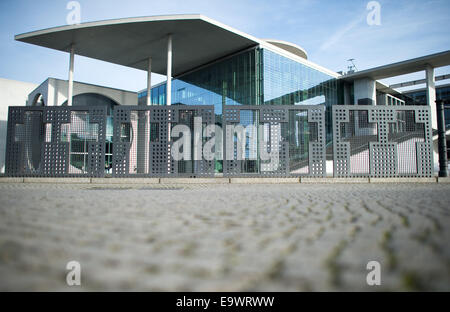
point(442, 142)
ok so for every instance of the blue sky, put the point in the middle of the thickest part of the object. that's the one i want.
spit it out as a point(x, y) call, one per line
point(330, 31)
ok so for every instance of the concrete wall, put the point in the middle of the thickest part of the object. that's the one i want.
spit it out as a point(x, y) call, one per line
point(12, 93)
point(54, 92)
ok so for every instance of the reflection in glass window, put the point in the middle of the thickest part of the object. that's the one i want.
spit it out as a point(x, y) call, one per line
point(79, 133)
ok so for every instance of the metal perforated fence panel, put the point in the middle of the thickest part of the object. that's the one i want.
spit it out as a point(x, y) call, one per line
point(274, 141)
point(144, 136)
point(56, 141)
point(199, 122)
point(184, 141)
point(382, 141)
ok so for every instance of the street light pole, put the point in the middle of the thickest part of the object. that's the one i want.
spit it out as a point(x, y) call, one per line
point(442, 142)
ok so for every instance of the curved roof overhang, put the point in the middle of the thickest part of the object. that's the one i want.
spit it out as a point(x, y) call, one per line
point(197, 40)
point(290, 47)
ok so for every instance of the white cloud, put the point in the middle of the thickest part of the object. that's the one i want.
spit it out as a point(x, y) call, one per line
point(338, 35)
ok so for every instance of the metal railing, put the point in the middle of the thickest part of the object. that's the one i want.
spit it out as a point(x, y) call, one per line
point(191, 141)
point(294, 136)
point(56, 141)
point(382, 141)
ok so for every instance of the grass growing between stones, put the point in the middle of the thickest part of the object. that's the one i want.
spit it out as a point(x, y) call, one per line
point(387, 249)
point(332, 265)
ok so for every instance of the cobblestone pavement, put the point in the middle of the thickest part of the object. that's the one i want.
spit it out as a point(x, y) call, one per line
point(225, 237)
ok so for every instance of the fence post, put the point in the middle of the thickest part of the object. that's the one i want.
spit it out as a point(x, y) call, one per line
point(442, 143)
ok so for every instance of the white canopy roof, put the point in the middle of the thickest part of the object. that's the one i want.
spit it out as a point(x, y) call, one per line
point(197, 40)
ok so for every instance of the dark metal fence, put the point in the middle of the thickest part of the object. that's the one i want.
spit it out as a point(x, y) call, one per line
point(56, 141)
point(249, 141)
point(382, 141)
point(292, 139)
point(141, 145)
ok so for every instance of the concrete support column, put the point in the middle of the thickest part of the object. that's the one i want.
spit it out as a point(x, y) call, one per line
point(149, 82)
point(143, 129)
point(169, 87)
point(70, 91)
point(365, 93)
point(169, 71)
point(431, 94)
point(143, 142)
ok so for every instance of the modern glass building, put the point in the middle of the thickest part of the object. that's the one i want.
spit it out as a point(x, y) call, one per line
point(419, 97)
point(255, 77)
point(210, 64)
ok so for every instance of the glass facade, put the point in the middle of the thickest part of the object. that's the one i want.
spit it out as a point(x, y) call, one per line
point(254, 77)
point(231, 81)
point(416, 97)
point(419, 97)
point(78, 145)
point(257, 77)
point(287, 82)
point(298, 132)
point(79, 133)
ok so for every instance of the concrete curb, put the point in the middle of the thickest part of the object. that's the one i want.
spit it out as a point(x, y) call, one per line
point(194, 180)
point(264, 180)
point(220, 180)
point(57, 180)
point(10, 180)
point(333, 180)
point(402, 180)
point(125, 180)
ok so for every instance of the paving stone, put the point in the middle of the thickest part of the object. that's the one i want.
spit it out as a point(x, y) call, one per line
point(229, 237)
